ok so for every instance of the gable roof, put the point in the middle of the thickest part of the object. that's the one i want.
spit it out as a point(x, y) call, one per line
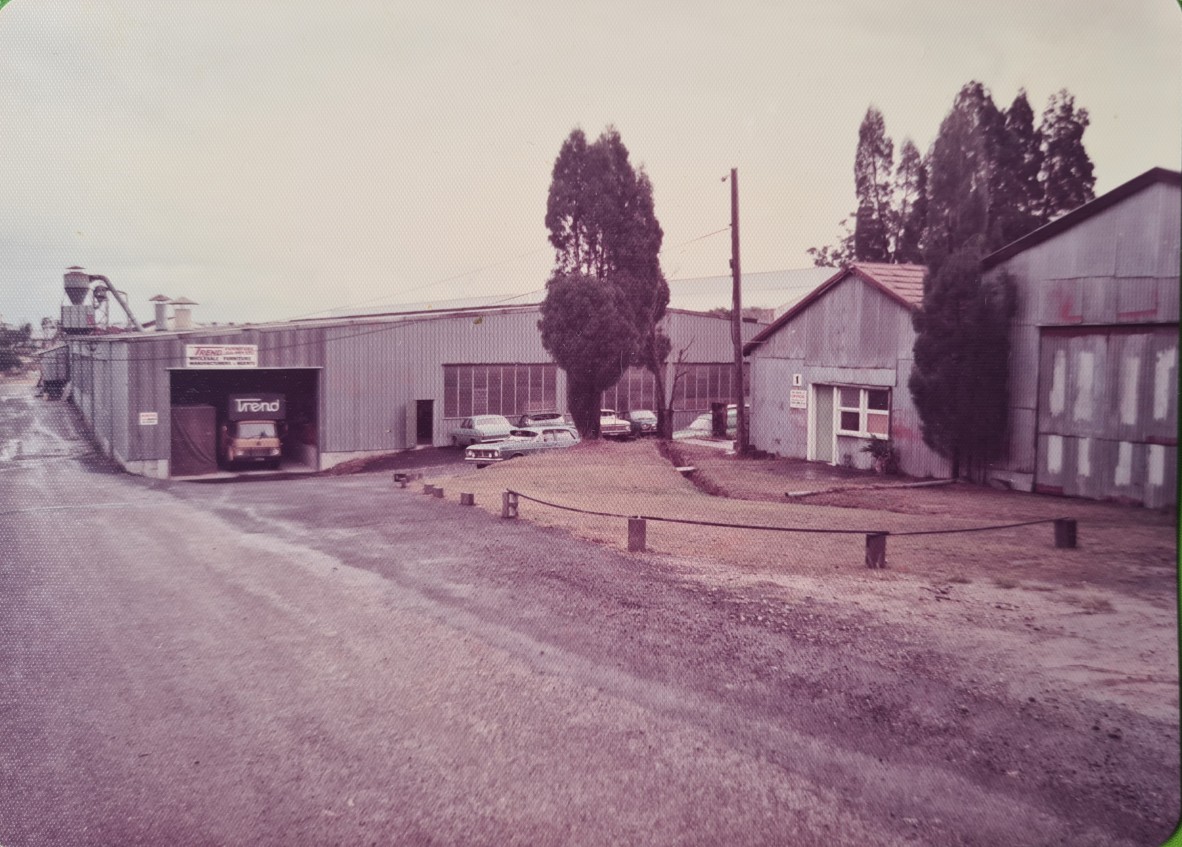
point(902, 283)
point(1082, 213)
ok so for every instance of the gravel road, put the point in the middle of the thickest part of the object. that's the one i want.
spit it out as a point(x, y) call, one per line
point(335, 660)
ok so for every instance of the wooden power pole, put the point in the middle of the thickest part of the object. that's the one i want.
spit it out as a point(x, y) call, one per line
point(737, 320)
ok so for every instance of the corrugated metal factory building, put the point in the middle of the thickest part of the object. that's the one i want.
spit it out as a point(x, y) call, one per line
point(362, 386)
point(1094, 361)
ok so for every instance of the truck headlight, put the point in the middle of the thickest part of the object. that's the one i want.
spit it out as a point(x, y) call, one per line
point(274, 451)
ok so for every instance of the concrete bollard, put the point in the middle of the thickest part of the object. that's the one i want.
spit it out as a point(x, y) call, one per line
point(1065, 532)
point(428, 489)
point(508, 505)
point(437, 490)
point(467, 499)
point(637, 532)
point(876, 550)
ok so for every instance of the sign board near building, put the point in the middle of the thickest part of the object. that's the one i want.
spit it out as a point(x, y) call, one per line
point(221, 355)
point(256, 407)
point(149, 418)
point(798, 398)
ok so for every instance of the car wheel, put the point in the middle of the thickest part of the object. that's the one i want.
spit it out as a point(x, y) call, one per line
point(516, 455)
point(480, 465)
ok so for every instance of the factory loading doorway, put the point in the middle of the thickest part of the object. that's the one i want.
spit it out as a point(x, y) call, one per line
point(298, 428)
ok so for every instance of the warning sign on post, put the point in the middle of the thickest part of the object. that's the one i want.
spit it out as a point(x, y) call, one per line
point(798, 398)
point(221, 355)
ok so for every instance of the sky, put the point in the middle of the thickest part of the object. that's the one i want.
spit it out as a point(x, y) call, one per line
point(272, 160)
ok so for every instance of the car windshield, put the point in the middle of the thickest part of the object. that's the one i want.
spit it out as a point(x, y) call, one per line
point(256, 429)
point(522, 434)
point(643, 416)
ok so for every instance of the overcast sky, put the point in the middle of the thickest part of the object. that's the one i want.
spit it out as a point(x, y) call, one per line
point(276, 159)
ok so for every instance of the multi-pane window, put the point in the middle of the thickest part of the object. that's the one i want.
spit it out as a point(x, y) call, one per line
point(863, 411)
point(637, 389)
point(498, 389)
point(698, 386)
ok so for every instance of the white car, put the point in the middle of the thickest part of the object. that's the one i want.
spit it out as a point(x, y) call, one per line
point(611, 426)
point(524, 441)
point(480, 429)
point(701, 427)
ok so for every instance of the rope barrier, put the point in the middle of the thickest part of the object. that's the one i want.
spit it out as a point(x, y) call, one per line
point(764, 527)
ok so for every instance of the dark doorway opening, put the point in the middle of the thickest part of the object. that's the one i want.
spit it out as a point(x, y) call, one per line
point(424, 421)
point(299, 432)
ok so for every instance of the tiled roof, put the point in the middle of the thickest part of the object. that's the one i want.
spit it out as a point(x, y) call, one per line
point(904, 281)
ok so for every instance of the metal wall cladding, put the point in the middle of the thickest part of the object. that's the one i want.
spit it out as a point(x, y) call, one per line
point(852, 335)
point(1108, 411)
point(1093, 362)
point(373, 371)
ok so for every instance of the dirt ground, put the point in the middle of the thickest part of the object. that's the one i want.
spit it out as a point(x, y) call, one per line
point(1093, 624)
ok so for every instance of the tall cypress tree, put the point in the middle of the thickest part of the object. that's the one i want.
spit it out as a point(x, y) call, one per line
point(960, 374)
point(1067, 177)
point(911, 203)
point(873, 163)
point(606, 237)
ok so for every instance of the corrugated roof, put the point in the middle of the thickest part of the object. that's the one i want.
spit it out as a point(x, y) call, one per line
point(902, 283)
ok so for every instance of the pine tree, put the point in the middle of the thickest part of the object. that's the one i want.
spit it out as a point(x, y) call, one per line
point(910, 209)
point(873, 163)
point(1017, 192)
point(1066, 174)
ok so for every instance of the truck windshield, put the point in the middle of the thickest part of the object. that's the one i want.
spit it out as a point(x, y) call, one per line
point(256, 429)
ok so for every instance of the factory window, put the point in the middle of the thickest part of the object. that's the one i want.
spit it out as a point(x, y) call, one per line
point(863, 411)
point(697, 386)
point(637, 389)
point(498, 389)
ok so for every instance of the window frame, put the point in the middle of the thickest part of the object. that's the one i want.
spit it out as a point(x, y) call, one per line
point(863, 411)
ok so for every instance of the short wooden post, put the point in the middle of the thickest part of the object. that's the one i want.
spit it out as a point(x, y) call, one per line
point(636, 535)
point(876, 550)
point(437, 490)
point(401, 479)
point(1065, 532)
point(467, 499)
point(509, 505)
point(428, 489)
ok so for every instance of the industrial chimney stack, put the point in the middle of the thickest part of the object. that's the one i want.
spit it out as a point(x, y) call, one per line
point(161, 311)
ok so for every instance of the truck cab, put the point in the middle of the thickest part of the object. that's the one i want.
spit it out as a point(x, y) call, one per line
point(253, 430)
point(251, 441)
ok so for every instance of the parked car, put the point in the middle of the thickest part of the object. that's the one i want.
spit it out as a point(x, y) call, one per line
point(522, 442)
point(612, 427)
point(701, 427)
point(480, 429)
point(642, 421)
point(541, 419)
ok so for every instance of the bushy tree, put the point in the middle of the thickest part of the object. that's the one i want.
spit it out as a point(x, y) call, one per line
point(605, 233)
point(586, 328)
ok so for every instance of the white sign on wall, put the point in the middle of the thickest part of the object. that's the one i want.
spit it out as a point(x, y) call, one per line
point(221, 355)
point(798, 398)
point(149, 418)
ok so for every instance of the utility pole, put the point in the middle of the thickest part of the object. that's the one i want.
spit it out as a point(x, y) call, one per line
point(737, 321)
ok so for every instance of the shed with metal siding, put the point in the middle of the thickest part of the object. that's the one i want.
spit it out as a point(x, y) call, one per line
point(1094, 358)
point(853, 332)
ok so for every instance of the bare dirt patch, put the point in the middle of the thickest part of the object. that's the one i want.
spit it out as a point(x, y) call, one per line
point(1092, 624)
